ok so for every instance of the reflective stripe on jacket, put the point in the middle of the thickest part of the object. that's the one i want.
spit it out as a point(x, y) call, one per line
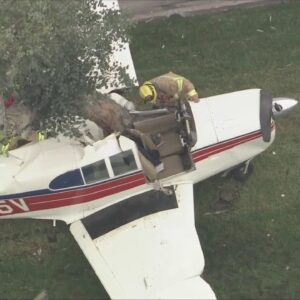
point(4, 149)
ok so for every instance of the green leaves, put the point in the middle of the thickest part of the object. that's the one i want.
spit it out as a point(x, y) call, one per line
point(54, 53)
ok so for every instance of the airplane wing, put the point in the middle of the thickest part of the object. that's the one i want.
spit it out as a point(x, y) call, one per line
point(146, 247)
point(120, 57)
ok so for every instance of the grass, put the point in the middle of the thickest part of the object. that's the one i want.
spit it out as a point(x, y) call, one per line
point(251, 252)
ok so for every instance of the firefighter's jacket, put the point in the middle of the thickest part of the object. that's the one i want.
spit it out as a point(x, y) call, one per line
point(171, 88)
point(15, 124)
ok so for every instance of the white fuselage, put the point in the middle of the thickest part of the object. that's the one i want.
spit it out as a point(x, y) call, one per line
point(45, 180)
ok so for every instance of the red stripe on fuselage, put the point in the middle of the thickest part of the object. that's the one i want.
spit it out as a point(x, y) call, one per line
point(85, 194)
point(201, 154)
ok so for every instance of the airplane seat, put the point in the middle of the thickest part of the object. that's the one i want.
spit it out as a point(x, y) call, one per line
point(157, 124)
point(170, 143)
point(141, 139)
point(172, 165)
point(144, 144)
point(164, 137)
point(165, 129)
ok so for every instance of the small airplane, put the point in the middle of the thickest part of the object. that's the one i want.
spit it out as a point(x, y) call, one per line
point(134, 223)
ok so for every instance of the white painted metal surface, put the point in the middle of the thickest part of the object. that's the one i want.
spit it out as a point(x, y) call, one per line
point(121, 56)
point(206, 133)
point(235, 114)
point(158, 252)
point(283, 106)
point(32, 166)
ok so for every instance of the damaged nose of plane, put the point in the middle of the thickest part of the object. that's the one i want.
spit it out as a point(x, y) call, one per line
point(283, 106)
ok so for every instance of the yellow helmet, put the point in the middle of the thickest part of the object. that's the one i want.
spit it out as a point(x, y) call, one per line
point(147, 92)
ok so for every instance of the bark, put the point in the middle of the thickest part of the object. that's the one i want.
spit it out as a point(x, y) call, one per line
point(109, 115)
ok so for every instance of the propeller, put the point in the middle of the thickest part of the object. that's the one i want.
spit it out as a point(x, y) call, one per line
point(265, 115)
point(273, 108)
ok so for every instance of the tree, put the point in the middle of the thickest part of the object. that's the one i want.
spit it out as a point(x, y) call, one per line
point(55, 53)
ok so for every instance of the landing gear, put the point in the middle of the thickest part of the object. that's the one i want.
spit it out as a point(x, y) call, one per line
point(243, 171)
point(52, 233)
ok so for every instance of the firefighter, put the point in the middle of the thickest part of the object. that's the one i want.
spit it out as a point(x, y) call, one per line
point(15, 125)
point(167, 90)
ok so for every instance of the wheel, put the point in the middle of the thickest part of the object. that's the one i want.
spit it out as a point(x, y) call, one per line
point(242, 172)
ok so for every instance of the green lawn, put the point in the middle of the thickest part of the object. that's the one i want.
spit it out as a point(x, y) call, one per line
point(251, 252)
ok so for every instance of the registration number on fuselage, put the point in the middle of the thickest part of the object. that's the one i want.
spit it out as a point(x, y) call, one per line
point(13, 206)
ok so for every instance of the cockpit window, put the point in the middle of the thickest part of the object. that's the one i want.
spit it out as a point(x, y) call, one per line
point(94, 172)
point(66, 180)
point(123, 162)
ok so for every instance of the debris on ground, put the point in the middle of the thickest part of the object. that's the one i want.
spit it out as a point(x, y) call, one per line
point(227, 197)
